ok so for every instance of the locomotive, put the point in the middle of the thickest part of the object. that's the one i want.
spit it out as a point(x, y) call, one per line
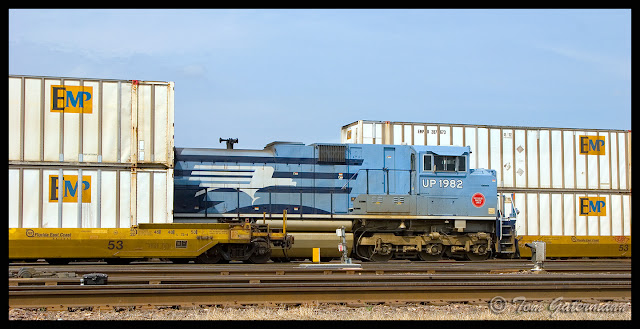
point(396, 201)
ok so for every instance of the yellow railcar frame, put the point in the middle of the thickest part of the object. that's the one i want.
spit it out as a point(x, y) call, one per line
point(142, 241)
point(579, 246)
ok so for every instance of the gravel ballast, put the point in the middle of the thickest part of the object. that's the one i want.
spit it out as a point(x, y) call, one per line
point(531, 311)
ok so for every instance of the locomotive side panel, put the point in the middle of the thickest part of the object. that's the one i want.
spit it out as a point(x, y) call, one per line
point(224, 183)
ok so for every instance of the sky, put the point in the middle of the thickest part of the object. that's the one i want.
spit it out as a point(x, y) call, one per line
point(263, 75)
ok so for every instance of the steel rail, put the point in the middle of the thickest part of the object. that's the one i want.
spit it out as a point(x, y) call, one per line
point(354, 289)
point(440, 267)
point(359, 277)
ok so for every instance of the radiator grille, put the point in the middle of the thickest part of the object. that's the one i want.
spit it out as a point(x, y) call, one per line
point(332, 154)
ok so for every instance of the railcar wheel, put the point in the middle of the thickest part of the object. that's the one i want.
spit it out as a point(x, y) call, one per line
point(210, 256)
point(118, 261)
point(58, 261)
point(262, 252)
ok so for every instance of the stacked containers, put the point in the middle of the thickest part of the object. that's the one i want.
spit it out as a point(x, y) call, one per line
point(567, 182)
point(90, 152)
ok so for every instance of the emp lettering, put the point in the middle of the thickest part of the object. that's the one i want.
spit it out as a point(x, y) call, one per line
point(592, 145)
point(70, 186)
point(593, 206)
point(442, 183)
point(71, 99)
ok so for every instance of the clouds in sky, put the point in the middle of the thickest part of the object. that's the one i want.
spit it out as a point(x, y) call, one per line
point(123, 33)
point(295, 74)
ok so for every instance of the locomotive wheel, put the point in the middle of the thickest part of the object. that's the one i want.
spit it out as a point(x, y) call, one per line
point(475, 257)
point(381, 257)
point(429, 257)
point(470, 255)
point(367, 252)
point(210, 256)
point(364, 252)
point(376, 256)
point(262, 252)
point(426, 256)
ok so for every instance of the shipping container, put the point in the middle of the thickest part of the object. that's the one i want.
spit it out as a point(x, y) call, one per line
point(90, 121)
point(88, 196)
point(573, 213)
point(523, 157)
point(566, 181)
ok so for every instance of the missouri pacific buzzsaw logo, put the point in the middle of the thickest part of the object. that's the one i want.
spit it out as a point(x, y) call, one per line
point(72, 99)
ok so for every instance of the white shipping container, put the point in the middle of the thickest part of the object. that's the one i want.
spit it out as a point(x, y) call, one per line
point(523, 157)
point(108, 197)
point(96, 121)
point(573, 214)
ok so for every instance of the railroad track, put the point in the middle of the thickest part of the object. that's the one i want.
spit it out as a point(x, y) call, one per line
point(192, 285)
point(392, 267)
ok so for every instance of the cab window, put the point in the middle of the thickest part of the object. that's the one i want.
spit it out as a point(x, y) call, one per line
point(444, 163)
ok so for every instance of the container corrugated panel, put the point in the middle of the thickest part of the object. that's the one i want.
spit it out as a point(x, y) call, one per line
point(108, 197)
point(562, 178)
point(99, 121)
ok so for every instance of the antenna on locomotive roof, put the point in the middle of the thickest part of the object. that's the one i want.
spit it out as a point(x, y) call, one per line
point(230, 142)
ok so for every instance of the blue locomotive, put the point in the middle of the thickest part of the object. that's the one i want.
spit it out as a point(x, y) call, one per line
point(400, 201)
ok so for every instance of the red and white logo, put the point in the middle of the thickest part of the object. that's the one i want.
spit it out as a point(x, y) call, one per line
point(477, 200)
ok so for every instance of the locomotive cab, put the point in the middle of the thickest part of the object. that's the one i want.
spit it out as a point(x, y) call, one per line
point(451, 210)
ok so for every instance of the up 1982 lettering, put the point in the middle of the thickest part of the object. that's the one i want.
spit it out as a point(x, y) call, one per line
point(443, 183)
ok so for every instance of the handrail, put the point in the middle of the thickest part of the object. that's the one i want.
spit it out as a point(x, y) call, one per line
point(350, 178)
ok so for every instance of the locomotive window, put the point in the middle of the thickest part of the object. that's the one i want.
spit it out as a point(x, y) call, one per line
point(462, 165)
point(444, 163)
point(427, 162)
point(413, 161)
